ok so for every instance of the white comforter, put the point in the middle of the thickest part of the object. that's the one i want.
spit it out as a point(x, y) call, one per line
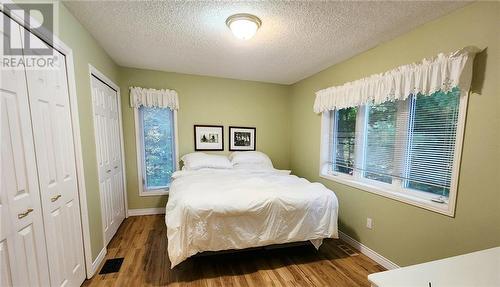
point(211, 210)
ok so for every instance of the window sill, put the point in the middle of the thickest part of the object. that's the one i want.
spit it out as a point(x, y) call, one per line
point(154, 192)
point(446, 209)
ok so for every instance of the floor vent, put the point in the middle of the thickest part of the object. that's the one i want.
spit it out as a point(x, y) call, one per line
point(348, 250)
point(111, 266)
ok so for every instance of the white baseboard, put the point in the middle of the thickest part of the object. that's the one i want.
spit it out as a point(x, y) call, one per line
point(146, 211)
point(386, 263)
point(97, 262)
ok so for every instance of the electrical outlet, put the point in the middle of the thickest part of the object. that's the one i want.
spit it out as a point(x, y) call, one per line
point(369, 223)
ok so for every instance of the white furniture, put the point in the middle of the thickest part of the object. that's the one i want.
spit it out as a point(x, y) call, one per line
point(222, 209)
point(108, 134)
point(479, 269)
point(41, 240)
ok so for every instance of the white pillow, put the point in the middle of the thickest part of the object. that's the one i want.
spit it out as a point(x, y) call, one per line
point(250, 157)
point(197, 160)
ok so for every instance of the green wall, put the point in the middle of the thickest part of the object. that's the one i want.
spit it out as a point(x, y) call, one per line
point(403, 233)
point(87, 51)
point(213, 101)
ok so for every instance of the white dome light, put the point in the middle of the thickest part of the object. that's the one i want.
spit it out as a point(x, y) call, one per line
point(243, 26)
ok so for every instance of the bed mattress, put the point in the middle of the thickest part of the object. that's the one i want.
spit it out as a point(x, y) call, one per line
point(213, 210)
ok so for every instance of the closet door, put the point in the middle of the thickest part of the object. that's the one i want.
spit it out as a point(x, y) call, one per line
point(55, 156)
point(108, 145)
point(23, 257)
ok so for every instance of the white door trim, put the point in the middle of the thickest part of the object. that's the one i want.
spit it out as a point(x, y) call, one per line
point(82, 191)
point(98, 74)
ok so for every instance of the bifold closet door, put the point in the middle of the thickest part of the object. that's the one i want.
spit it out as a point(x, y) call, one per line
point(48, 95)
point(23, 257)
point(108, 147)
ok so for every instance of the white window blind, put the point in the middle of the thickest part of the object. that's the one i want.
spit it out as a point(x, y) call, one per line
point(432, 139)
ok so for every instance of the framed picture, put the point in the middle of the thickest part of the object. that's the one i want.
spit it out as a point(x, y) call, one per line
point(208, 138)
point(241, 138)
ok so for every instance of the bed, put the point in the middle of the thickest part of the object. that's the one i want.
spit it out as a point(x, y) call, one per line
point(222, 209)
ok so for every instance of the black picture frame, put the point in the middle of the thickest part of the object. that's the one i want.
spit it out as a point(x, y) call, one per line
point(232, 144)
point(197, 143)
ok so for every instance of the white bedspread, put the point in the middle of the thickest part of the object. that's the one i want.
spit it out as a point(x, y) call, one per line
point(211, 210)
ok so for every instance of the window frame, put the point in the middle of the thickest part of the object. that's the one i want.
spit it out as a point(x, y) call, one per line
point(399, 193)
point(143, 191)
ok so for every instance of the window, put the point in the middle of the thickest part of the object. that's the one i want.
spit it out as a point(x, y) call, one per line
point(156, 148)
point(380, 142)
point(345, 127)
point(407, 150)
point(432, 144)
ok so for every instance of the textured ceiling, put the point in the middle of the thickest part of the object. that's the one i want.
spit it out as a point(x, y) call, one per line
point(296, 40)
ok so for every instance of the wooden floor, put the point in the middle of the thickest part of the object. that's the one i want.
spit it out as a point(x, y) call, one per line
point(142, 241)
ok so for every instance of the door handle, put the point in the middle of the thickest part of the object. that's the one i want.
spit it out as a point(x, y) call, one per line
point(55, 198)
point(24, 214)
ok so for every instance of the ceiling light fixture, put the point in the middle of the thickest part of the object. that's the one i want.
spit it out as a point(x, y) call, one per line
point(244, 26)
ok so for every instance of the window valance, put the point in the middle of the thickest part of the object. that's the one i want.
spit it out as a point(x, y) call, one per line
point(441, 73)
point(153, 98)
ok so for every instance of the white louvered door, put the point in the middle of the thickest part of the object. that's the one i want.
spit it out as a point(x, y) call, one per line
point(56, 162)
point(23, 257)
point(108, 145)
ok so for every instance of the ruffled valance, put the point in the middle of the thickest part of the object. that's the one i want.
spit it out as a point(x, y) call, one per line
point(441, 73)
point(153, 98)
